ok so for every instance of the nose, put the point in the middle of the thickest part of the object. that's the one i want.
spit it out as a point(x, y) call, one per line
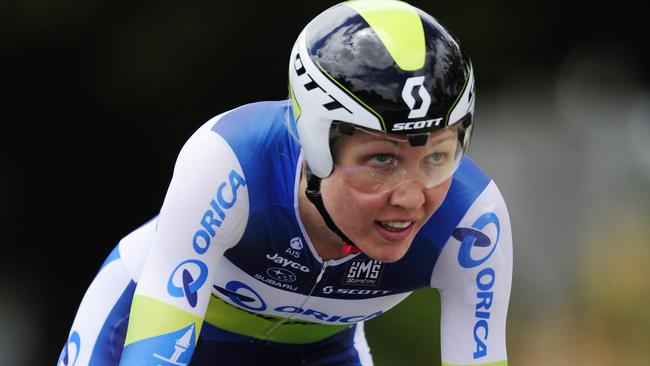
point(409, 195)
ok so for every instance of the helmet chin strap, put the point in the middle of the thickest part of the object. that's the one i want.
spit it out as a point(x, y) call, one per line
point(313, 194)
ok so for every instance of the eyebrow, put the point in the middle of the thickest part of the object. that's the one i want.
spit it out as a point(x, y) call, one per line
point(435, 141)
point(438, 141)
point(372, 138)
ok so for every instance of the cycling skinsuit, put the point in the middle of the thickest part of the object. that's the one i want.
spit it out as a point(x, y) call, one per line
point(226, 273)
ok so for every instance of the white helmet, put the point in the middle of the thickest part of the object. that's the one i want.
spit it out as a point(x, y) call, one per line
point(379, 64)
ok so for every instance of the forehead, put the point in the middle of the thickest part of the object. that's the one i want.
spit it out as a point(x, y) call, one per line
point(363, 136)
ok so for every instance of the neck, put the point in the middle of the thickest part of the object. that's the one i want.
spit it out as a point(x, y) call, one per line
point(327, 243)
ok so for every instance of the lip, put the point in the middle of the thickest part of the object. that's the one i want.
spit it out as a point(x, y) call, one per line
point(394, 236)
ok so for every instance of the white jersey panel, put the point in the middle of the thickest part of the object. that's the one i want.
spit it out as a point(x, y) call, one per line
point(474, 274)
point(135, 247)
point(98, 302)
point(361, 345)
point(204, 213)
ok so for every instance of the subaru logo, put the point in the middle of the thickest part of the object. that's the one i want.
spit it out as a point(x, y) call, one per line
point(281, 274)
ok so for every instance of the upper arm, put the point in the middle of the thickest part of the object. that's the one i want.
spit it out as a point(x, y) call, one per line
point(204, 212)
point(474, 274)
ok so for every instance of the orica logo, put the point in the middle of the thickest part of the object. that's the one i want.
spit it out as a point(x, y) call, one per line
point(71, 351)
point(186, 280)
point(213, 217)
point(473, 240)
point(242, 295)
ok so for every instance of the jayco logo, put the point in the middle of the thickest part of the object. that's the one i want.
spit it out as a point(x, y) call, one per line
point(186, 280)
point(286, 262)
point(474, 240)
point(417, 111)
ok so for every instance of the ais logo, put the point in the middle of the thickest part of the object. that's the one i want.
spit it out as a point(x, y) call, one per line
point(186, 280)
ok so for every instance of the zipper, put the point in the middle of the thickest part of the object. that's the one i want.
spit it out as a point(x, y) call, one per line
point(290, 317)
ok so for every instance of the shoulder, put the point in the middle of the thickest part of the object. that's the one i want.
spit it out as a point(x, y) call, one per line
point(238, 134)
point(252, 141)
point(473, 231)
point(251, 125)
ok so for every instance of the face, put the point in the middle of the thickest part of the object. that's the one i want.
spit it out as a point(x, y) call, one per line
point(380, 213)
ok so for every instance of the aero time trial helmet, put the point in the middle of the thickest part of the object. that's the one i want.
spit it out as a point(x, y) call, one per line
point(379, 66)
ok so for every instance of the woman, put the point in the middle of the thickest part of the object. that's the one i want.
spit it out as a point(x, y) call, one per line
point(287, 224)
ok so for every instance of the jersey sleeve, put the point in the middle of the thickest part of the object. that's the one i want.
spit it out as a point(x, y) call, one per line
point(204, 212)
point(474, 275)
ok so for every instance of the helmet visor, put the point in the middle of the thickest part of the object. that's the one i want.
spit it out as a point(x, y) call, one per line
point(372, 161)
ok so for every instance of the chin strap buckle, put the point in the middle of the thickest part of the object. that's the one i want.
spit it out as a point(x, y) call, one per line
point(351, 249)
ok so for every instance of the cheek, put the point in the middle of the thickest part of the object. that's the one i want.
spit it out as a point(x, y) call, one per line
point(435, 196)
point(348, 205)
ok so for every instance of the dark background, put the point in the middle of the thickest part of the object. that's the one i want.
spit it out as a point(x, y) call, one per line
point(99, 97)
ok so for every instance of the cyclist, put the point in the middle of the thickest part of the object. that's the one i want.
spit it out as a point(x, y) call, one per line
point(288, 224)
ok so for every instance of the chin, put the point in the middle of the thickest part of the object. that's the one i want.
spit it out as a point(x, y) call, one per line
point(387, 259)
point(388, 254)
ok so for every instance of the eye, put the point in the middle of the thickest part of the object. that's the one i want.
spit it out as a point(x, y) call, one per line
point(382, 159)
point(437, 157)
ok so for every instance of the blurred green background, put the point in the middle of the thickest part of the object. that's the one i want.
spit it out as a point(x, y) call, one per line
point(99, 96)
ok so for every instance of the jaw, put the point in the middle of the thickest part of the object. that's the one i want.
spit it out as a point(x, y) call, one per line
point(387, 254)
point(379, 248)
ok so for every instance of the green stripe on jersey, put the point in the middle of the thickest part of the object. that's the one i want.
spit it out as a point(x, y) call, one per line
point(151, 317)
point(398, 26)
point(230, 318)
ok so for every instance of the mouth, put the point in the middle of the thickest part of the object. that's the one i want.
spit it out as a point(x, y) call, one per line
point(394, 231)
point(395, 225)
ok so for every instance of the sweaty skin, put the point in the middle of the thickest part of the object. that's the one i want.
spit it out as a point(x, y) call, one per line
point(360, 214)
point(357, 214)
